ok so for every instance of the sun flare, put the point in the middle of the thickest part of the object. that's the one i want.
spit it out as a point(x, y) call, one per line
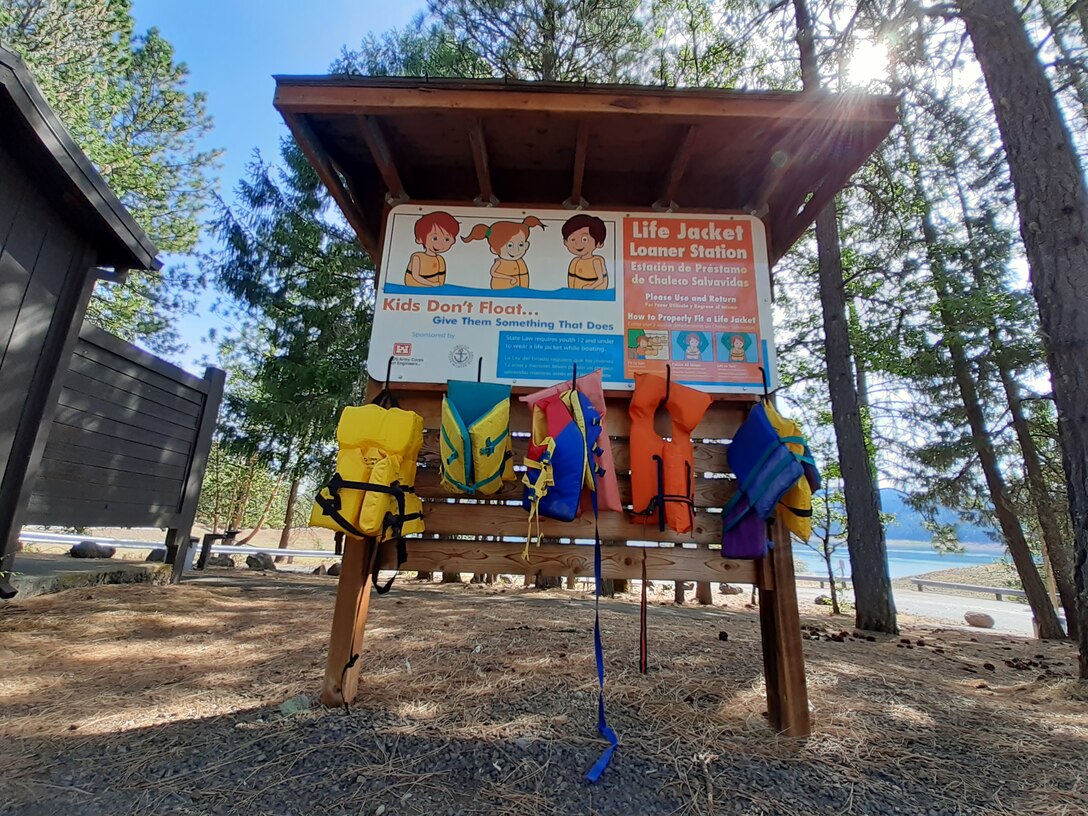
point(868, 63)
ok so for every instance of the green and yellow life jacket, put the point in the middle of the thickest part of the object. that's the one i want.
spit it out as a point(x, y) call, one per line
point(476, 449)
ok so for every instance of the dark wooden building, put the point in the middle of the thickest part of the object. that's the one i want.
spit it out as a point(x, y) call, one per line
point(61, 230)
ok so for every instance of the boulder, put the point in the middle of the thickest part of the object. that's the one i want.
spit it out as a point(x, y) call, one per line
point(221, 560)
point(979, 619)
point(321, 570)
point(822, 600)
point(729, 589)
point(260, 561)
point(91, 549)
point(334, 569)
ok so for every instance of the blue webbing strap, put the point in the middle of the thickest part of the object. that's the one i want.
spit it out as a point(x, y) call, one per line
point(603, 727)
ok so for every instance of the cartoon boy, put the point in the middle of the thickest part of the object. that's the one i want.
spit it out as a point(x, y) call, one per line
point(738, 348)
point(582, 235)
point(436, 233)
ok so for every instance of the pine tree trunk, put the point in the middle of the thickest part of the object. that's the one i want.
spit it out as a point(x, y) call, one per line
point(1058, 552)
point(548, 582)
point(981, 439)
point(678, 592)
point(238, 516)
point(451, 577)
point(832, 586)
point(622, 585)
point(264, 513)
point(874, 604)
point(288, 517)
point(1052, 199)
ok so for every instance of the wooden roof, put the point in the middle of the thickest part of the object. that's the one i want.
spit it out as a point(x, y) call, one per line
point(34, 134)
point(376, 140)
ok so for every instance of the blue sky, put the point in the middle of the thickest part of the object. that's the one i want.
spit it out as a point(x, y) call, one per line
point(232, 49)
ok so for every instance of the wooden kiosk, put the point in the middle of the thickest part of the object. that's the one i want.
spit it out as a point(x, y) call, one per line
point(382, 142)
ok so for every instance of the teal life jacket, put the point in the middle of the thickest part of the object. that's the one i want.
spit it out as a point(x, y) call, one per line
point(476, 449)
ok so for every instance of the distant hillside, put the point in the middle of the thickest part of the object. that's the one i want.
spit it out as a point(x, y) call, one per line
point(908, 524)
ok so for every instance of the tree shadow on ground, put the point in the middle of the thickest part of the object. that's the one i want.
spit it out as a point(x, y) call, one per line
point(126, 700)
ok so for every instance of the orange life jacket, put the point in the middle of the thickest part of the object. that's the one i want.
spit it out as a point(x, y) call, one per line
point(663, 473)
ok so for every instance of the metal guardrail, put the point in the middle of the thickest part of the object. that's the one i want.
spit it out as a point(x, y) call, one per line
point(999, 592)
point(128, 544)
point(822, 579)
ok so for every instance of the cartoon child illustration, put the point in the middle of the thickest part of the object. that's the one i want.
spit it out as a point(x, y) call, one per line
point(436, 233)
point(694, 345)
point(738, 348)
point(509, 241)
point(582, 235)
point(642, 345)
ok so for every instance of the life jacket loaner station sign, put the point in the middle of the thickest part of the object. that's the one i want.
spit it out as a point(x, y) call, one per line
point(526, 294)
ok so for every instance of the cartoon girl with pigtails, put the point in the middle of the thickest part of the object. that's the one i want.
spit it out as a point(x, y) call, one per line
point(508, 241)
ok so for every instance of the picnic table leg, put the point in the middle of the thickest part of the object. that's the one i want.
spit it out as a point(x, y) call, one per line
point(780, 626)
point(348, 621)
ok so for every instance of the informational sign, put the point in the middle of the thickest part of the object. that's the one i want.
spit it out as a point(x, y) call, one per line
point(524, 296)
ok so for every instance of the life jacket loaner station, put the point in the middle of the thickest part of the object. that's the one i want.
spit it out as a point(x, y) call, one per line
point(536, 236)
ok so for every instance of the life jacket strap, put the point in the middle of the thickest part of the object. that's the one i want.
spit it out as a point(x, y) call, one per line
point(643, 645)
point(392, 523)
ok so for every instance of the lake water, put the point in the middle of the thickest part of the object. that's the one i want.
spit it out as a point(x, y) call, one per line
point(902, 561)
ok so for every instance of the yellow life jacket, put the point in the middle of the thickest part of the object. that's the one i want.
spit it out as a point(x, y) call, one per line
point(797, 501)
point(371, 493)
point(476, 449)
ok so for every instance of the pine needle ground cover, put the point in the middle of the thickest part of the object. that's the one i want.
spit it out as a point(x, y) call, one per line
point(198, 699)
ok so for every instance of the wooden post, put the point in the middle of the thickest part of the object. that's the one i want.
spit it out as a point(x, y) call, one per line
point(703, 593)
point(348, 622)
point(780, 625)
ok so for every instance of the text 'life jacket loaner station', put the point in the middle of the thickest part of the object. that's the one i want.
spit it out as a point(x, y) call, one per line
point(614, 318)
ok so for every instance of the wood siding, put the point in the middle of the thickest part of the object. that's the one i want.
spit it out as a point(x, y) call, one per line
point(121, 444)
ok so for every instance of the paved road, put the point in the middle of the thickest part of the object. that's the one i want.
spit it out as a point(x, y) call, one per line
point(1009, 617)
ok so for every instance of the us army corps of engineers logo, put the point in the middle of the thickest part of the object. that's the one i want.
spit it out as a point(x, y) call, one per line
point(461, 356)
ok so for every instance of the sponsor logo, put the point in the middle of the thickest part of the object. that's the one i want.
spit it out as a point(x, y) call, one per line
point(461, 356)
point(402, 349)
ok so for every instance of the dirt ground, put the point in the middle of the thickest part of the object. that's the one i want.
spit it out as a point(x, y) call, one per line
point(482, 700)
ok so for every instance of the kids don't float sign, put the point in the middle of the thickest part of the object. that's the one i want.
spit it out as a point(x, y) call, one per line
point(523, 296)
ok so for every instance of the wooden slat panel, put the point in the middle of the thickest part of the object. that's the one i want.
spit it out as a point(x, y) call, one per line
point(127, 383)
point(662, 563)
point(44, 508)
point(105, 389)
point(86, 443)
point(62, 488)
point(101, 356)
point(97, 407)
point(709, 456)
point(503, 520)
point(63, 454)
point(708, 492)
point(75, 418)
point(13, 183)
point(720, 422)
point(126, 482)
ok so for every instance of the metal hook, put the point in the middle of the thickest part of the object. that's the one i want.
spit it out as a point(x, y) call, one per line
point(388, 372)
point(668, 381)
point(574, 378)
point(763, 376)
point(480, 370)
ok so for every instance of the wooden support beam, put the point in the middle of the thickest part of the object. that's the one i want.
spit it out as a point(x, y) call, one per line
point(385, 96)
point(564, 560)
point(321, 162)
point(581, 148)
point(677, 168)
point(383, 158)
point(348, 622)
point(780, 628)
point(480, 159)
